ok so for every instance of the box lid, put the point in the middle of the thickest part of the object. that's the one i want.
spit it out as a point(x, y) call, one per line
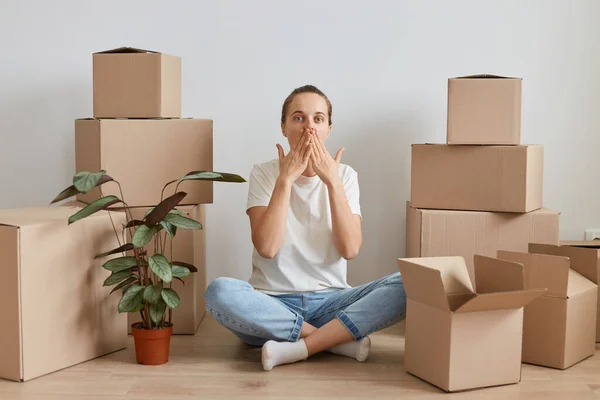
point(499, 301)
point(27, 216)
point(584, 259)
point(485, 76)
point(121, 50)
point(591, 244)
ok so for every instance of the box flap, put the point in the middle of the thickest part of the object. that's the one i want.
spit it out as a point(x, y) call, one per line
point(500, 301)
point(121, 50)
point(592, 244)
point(38, 215)
point(579, 284)
point(493, 275)
point(484, 76)
point(423, 284)
point(542, 271)
point(583, 260)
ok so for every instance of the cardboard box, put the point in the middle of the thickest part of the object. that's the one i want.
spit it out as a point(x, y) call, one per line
point(454, 332)
point(484, 109)
point(188, 246)
point(479, 178)
point(435, 233)
point(56, 313)
point(559, 328)
point(136, 83)
point(585, 259)
point(143, 155)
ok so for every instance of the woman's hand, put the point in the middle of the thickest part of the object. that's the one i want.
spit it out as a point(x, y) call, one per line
point(292, 165)
point(326, 167)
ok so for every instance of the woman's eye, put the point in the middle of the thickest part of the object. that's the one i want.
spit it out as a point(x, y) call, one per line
point(298, 118)
point(320, 119)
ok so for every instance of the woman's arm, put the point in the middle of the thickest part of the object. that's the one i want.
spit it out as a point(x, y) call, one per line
point(346, 226)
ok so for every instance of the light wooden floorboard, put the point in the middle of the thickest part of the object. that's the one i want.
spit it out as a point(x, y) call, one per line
point(214, 364)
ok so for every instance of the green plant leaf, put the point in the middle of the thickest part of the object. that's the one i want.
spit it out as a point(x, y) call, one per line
point(182, 222)
point(65, 194)
point(120, 264)
point(157, 311)
point(171, 298)
point(180, 272)
point(84, 181)
point(94, 207)
point(190, 267)
point(161, 267)
point(143, 235)
point(132, 299)
point(163, 208)
point(120, 249)
point(117, 277)
point(170, 228)
point(124, 284)
point(152, 293)
point(210, 176)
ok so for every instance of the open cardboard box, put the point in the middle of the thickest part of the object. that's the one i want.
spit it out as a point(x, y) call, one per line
point(559, 328)
point(585, 259)
point(452, 332)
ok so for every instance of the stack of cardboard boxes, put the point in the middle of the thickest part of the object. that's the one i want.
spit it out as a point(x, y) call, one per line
point(138, 136)
point(480, 300)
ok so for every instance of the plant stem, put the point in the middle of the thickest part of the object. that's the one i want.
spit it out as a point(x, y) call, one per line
point(111, 221)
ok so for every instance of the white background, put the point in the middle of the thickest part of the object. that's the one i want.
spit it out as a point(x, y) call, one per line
point(383, 64)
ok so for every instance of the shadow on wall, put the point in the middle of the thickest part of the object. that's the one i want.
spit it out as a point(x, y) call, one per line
point(37, 145)
point(380, 151)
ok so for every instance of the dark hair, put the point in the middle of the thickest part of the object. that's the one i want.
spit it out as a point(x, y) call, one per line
point(304, 89)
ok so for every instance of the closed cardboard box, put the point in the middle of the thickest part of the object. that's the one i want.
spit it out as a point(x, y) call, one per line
point(458, 338)
point(143, 155)
point(435, 233)
point(136, 83)
point(56, 313)
point(481, 178)
point(189, 246)
point(584, 258)
point(484, 109)
point(559, 328)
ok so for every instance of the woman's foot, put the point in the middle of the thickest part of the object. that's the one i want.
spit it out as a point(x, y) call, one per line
point(357, 349)
point(277, 353)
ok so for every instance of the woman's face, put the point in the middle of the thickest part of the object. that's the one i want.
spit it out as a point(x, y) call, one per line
point(306, 110)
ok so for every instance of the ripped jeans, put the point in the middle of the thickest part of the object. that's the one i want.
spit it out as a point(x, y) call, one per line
point(256, 317)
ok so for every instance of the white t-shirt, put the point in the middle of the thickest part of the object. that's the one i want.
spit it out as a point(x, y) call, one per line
point(308, 260)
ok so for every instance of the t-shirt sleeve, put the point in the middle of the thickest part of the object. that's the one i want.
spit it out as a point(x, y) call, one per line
point(260, 188)
point(352, 191)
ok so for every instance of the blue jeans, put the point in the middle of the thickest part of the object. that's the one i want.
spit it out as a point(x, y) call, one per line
point(256, 317)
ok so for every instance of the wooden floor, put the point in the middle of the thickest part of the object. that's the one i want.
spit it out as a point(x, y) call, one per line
point(214, 364)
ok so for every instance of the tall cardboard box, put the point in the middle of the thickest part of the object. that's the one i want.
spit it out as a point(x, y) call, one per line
point(480, 178)
point(56, 313)
point(584, 258)
point(559, 328)
point(143, 155)
point(136, 83)
point(435, 233)
point(188, 246)
point(458, 338)
point(484, 109)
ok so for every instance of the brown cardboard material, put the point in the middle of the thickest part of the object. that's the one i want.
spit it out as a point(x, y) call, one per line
point(143, 155)
point(477, 178)
point(484, 110)
point(436, 233)
point(585, 259)
point(188, 246)
point(136, 83)
point(453, 331)
point(56, 311)
point(559, 328)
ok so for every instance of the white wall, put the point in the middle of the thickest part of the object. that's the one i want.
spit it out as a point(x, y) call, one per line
point(384, 65)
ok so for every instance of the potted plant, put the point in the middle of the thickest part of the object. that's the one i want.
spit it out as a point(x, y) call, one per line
point(145, 280)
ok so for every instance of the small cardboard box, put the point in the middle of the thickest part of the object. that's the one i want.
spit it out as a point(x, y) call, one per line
point(456, 338)
point(477, 178)
point(189, 246)
point(436, 233)
point(136, 83)
point(143, 155)
point(585, 259)
point(484, 109)
point(56, 313)
point(559, 329)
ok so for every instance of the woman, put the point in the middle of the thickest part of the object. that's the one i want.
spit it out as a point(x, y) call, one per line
point(306, 223)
